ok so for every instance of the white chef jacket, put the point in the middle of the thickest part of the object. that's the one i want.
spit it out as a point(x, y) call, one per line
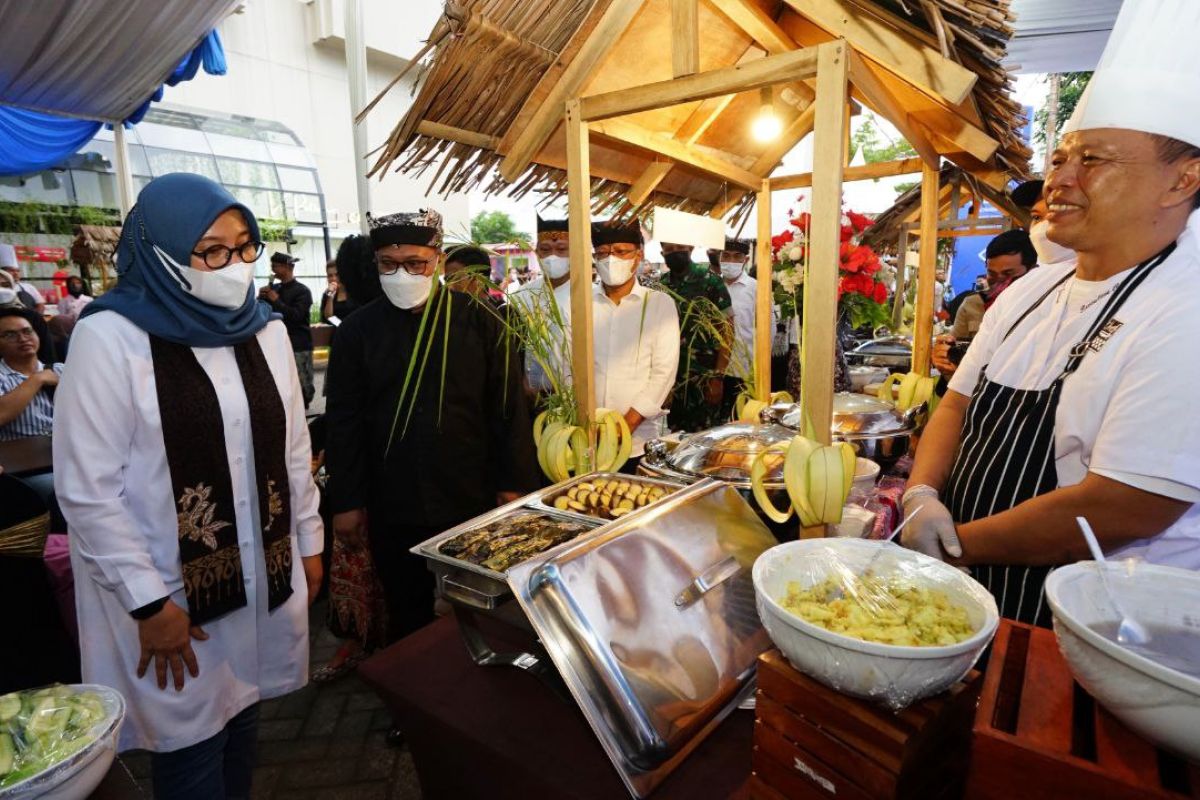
point(114, 486)
point(1129, 412)
point(743, 293)
point(636, 352)
point(535, 292)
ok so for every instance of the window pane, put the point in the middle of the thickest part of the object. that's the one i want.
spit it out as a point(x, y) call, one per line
point(248, 173)
point(95, 189)
point(228, 127)
point(44, 187)
point(262, 202)
point(298, 180)
point(238, 147)
point(277, 136)
point(170, 136)
point(290, 155)
point(304, 208)
point(164, 161)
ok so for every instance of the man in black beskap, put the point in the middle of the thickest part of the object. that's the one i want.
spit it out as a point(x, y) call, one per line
point(458, 445)
point(293, 301)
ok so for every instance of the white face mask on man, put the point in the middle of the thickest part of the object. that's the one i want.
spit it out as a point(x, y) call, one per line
point(731, 270)
point(1048, 252)
point(404, 290)
point(224, 288)
point(615, 271)
point(555, 267)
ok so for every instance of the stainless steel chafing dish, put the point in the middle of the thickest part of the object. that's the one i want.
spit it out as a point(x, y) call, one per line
point(875, 428)
point(651, 622)
point(887, 351)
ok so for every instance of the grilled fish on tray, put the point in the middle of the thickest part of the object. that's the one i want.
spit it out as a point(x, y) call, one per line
point(512, 539)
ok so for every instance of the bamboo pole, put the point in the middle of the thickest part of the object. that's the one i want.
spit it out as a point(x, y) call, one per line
point(579, 200)
point(820, 283)
point(926, 269)
point(762, 299)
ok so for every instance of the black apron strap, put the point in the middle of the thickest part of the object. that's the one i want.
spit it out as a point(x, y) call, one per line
point(1040, 300)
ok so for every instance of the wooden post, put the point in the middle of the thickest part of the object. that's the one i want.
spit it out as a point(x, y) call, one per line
point(901, 278)
point(579, 200)
point(817, 341)
point(762, 300)
point(926, 270)
point(685, 37)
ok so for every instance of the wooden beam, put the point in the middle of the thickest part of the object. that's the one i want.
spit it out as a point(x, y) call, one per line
point(451, 134)
point(919, 64)
point(732, 198)
point(627, 132)
point(899, 293)
point(763, 296)
point(579, 203)
point(765, 32)
point(647, 182)
point(549, 114)
point(881, 169)
point(796, 130)
point(821, 281)
point(879, 97)
point(926, 270)
point(756, 74)
point(685, 37)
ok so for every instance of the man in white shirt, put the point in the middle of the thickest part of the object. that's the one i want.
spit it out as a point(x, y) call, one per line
point(26, 403)
point(1076, 398)
point(27, 292)
point(743, 292)
point(636, 342)
point(549, 294)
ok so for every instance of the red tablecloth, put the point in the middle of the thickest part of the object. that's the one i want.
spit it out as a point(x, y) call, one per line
point(497, 732)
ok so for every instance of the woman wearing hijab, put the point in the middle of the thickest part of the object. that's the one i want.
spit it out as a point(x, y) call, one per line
point(182, 466)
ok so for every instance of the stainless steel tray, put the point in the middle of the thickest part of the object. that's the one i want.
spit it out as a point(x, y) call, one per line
point(651, 622)
point(546, 497)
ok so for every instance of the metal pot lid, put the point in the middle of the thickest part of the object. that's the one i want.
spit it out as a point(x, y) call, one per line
point(891, 346)
point(853, 415)
point(727, 451)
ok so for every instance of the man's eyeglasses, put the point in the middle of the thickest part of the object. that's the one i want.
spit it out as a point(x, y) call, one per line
point(23, 333)
point(413, 266)
point(604, 251)
point(218, 256)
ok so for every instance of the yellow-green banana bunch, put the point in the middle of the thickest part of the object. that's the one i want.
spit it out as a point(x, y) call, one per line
point(817, 477)
point(563, 449)
point(915, 389)
point(747, 409)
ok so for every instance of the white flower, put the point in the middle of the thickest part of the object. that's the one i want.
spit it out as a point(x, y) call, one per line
point(845, 220)
point(795, 254)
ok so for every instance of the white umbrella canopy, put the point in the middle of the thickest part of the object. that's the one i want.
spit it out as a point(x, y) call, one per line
point(96, 59)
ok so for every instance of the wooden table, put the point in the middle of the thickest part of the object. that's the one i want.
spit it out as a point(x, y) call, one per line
point(498, 732)
point(30, 455)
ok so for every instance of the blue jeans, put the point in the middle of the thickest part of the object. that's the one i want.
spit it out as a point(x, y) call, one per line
point(219, 767)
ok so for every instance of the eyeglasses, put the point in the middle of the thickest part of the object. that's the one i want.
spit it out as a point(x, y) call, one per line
point(620, 252)
point(23, 333)
point(413, 266)
point(218, 256)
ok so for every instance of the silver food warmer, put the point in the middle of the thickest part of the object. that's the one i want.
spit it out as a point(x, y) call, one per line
point(894, 352)
point(875, 428)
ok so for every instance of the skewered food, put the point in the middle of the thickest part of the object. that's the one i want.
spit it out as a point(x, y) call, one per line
point(512, 539)
point(608, 498)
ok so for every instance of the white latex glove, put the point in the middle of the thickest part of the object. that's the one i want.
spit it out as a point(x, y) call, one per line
point(931, 532)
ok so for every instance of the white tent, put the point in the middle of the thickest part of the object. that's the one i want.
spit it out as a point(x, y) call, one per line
point(1060, 35)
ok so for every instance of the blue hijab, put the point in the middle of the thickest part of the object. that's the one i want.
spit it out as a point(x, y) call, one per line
point(173, 212)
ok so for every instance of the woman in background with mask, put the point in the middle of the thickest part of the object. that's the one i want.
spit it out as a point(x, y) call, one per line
point(10, 297)
point(182, 466)
point(636, 336)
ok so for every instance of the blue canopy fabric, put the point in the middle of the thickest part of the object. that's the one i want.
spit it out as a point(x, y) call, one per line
point(31, 141)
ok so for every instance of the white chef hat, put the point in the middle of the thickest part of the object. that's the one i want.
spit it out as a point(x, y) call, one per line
point(8, 256)
point(1148, 78)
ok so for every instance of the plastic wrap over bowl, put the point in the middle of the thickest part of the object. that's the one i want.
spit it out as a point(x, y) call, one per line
point(893, 675)
point(1157, 702)
point(82, 772)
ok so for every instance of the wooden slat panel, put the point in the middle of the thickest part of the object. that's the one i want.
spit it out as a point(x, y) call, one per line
point(1046, 698)
point(791, 781)
point(1121, 753)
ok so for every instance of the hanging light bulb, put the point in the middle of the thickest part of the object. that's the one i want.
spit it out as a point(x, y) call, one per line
point(767, 125)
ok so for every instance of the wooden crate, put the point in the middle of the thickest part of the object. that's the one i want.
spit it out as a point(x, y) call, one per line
point(1039, 736)
point(813, 742)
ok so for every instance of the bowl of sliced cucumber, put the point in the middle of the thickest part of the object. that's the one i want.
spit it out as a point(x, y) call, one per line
point(57, 741)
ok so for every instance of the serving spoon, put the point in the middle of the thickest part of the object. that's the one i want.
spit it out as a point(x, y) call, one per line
point(1130, 631)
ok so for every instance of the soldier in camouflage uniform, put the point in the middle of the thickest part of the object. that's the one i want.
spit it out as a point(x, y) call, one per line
point(705, 336)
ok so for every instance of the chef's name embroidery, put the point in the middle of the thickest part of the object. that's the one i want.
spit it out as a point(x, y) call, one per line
point(1104, 334)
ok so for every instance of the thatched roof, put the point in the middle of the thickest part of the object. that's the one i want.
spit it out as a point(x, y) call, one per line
point(490, 66)
point(95, 249)
point(884, 233)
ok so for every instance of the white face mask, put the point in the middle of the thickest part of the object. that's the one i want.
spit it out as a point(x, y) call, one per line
point(615, 271)
point(555, 266)
point(1048, 252)
point(224, 288)
point(7, 296)
point(730, 270)
point(406, 291)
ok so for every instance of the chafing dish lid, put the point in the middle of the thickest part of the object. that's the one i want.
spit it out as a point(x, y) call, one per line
point(886, 346)
point(853, 415)
point(728, 451)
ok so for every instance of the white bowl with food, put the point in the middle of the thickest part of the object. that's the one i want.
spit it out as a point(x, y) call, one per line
point(866, 475)
point(1154, 689)
point(57, 743)
point(925, 599)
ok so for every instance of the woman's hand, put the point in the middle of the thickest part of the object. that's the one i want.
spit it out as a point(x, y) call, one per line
point(314, 571)
point(941, 355)
point(166, 638)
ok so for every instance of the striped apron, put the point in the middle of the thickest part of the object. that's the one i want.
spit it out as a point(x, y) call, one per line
point(1006, 454)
